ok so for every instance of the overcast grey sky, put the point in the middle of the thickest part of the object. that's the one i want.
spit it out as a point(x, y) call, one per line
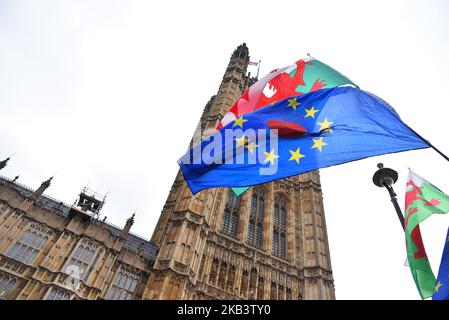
point(108, 93)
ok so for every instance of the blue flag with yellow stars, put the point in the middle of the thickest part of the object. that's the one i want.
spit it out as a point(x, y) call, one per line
point(297, 135)
point(442, 283)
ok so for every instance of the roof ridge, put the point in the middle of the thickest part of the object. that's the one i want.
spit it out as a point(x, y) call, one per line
point(58, 202)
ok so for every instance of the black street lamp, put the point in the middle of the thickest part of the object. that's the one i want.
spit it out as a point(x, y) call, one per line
point(386, 177)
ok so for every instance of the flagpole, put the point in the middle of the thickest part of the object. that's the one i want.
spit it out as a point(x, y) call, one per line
point(430, 144)
point(386, 177)
point(258, 68)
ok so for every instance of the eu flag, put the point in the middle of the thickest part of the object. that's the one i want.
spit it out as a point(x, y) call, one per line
point(442, 283)
point(297, 135)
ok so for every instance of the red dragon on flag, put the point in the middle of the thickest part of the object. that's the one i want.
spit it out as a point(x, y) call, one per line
point(301, 77)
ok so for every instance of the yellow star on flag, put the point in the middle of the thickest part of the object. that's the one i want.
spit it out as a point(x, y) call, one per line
point(270, 156)
point(311, 112)
point(242, 141)
point(251, 147)
point(239, 122)
point(296, 155)
point(319, 144)
point(325, 125)
point(438, 286)
point(293, 103)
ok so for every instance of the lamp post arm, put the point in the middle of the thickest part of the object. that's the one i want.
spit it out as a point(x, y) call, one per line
point(394, 200)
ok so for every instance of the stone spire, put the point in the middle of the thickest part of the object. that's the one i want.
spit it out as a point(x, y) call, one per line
point(4, 163)
point(278, 226)
point(44, 186)
point(128, 225)
point(231, 88)
point(234, 83)
point(241, 52)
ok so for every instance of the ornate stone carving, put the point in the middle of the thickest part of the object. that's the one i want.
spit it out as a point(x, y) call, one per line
point(180, 267)
point(281, 186)
point(215, 252)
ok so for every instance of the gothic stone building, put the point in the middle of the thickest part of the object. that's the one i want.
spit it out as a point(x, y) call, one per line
point(52, 251)
point(269, 243)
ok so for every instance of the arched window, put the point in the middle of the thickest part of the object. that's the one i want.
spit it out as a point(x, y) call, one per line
point(2, 209)
point(231, 279)
point(222, 275)
point(82, 259)
point(213, 271)
point(6, 285)
point(289, 294)
point(78, 252)
point(231, 215)
point(244, 283)
point(203, 261)
point(281, 293)
point(253, 283)
point(260, 289)
point(124, 285)
point(273, 292)
point(58, 294)
point(279, 227)
point(256, 217)
point(29, 245)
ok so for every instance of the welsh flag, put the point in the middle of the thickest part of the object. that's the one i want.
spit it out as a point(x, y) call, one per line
point(422, 199)
point(304, 76)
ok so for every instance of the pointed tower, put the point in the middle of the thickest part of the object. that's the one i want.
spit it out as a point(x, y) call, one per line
point(40, 191)
point(128, 225)
point(29, 202)
point(4, 163)
point(269, 243)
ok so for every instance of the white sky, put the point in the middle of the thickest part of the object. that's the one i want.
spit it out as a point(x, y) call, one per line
point(108, 93)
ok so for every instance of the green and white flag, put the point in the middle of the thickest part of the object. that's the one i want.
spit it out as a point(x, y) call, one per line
point(422, 199)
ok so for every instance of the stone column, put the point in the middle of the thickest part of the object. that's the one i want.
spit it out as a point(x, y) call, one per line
point(245, 208)
point(267, 241)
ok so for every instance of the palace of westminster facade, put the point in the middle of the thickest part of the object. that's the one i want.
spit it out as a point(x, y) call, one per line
point(269, 243)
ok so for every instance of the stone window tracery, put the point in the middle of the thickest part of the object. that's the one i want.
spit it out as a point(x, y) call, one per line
point(82, 259)
point(279, 227)
point(124, 285)
point(7, 283)
point(256, 218)
point(231, 215)
point(29, 244)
